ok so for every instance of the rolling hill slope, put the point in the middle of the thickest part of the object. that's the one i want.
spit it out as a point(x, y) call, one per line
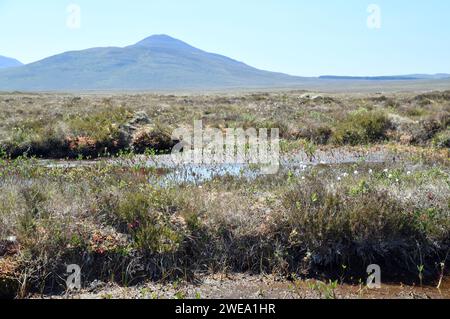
point(6, 62)
point(155, 63)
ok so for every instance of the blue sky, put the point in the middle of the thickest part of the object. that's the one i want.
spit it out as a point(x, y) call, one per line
point(298, 37)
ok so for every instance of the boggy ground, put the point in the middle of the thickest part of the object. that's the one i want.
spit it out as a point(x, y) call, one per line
point(121, 226)
point(60, 126)
point(126, 226)
point(249, 286)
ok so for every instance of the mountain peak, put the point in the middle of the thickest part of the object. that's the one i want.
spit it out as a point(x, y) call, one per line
point(156, 37)
point(158, 62)
point(163, 41)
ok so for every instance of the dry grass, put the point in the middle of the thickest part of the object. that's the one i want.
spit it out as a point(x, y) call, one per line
point(119, 227)
point(60, 126)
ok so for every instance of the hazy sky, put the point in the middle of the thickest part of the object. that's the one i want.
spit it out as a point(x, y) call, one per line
point(293, 36)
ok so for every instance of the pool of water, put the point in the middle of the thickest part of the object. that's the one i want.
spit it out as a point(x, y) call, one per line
point(175, 172)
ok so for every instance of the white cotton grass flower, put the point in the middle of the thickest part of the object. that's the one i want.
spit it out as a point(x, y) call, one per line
point(408, 173)
point(390, 176)
point(385, 170)
point(339, 178)
point(356, 172)
point(345, 174)
point(303, 178)
point(370, 171)
point(11, 239)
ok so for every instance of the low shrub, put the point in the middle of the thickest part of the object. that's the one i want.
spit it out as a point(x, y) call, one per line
point(442, 139)
point(359, 228)
point(284, 129)
point(108, 219)
point(319, 134)
point(146, 220)
point(362, 127)
point(152, 138)
point(425, 131)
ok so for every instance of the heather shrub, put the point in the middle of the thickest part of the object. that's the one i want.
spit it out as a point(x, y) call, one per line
point(362, 127)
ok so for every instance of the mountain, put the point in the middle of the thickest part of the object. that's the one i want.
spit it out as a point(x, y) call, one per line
point(158, 62)
point(439, 76)
point(8, 62)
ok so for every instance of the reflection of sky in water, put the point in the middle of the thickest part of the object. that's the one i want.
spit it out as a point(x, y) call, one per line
point(297, 164)
point(202, 173)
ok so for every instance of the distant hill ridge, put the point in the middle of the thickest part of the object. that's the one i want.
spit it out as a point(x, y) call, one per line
point(439, 76)
point(158, 62)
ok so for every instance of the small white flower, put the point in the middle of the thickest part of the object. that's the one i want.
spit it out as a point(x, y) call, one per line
point(356, 172)
point(396, 180)
point(385, 170)
point(339, 178)
point(408, 173)
point(370, 171)
point(345, 174)
point(12, 239)
point(390, 176)
point(303, 178)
